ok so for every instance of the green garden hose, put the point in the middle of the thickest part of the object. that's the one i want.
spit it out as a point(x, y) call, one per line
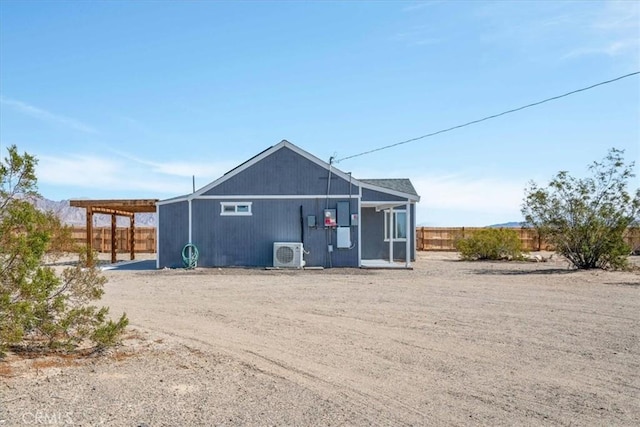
point(190, 255)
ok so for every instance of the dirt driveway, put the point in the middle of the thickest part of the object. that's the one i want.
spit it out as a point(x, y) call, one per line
point(448, 343)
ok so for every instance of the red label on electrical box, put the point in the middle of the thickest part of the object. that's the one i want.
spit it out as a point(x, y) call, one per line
point(330, 218)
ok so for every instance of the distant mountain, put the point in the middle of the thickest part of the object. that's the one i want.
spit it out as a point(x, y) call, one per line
point(512, 224)
point(77, 216)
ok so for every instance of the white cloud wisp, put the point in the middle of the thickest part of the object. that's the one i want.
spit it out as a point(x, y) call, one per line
point(47, 116)
point(72, 173)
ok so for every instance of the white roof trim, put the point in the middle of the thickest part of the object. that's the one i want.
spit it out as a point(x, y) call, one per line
point(277, 196)
point(385, 204)
point(172, 200)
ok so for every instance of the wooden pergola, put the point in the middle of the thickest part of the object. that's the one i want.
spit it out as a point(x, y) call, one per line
point(123, 207)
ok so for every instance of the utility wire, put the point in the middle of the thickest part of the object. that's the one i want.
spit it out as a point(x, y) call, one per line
point(487, 118)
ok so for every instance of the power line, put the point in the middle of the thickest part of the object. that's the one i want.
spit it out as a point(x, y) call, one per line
point(487, 118)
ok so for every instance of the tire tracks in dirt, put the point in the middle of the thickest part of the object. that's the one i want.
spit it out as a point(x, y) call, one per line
point(375, 406)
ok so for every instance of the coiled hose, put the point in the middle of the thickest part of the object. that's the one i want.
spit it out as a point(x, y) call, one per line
point(190, 255)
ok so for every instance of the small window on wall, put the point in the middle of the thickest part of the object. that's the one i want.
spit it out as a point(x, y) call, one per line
point(396, 224)
point(235, 208)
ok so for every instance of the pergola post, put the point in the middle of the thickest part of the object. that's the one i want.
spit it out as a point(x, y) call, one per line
point(89, 236)
point(132, 236)
point(113, 238)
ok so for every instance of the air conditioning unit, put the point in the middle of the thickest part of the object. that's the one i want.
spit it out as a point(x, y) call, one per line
point(288, 255)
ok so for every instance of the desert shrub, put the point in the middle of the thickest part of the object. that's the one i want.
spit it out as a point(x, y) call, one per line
point(38, 307)
point(490, 244)
point(585, 219)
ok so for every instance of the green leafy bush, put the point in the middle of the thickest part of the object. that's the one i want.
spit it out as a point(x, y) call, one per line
point(39, 308)
point(490, 244)
point(586, 218)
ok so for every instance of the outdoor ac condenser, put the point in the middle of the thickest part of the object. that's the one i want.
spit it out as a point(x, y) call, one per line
point(286, 254)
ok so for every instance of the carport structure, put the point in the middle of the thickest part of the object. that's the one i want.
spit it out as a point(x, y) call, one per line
point(114, 207)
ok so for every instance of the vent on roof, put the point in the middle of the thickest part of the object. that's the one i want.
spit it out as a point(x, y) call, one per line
point(288, 255)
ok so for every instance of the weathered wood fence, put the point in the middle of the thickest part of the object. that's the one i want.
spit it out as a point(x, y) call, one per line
point(145, 238)
point(443, 238)
point(427, 238)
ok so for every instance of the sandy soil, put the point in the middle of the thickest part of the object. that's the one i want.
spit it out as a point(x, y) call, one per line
point(448, 343)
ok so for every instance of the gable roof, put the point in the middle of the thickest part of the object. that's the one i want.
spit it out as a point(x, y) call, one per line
point(266, 153)
point(251, 159)
point(403, 188)
point(403, 185)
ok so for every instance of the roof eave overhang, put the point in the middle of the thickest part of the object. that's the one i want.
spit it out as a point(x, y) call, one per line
point(409, 196)
point(172, 200)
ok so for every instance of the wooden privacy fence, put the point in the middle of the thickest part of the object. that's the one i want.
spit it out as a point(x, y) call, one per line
point(145, 238)
point(443, 238)
point(427, 238)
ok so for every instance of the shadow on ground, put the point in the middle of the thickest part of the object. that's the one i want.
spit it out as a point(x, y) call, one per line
point(506, 272)
point(142, 265)
point(632, 284)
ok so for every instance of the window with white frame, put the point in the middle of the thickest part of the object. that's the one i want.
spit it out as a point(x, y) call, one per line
point(235, 208)
point(396, 224)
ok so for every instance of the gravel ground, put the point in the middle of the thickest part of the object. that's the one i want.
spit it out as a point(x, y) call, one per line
point(448, 343)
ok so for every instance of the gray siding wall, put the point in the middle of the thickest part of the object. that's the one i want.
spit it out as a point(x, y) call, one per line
point(173, 230)
point(373, 244)
point(283, 172)
point(248, 240)
point(377, 196)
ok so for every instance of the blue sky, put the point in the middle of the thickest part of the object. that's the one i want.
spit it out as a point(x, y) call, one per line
point(130, 99)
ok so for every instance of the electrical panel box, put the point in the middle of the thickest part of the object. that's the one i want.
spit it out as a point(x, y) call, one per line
point(344, 238)
point(330, 218)
point(354, 219)
point(343, 214)
point(311, 220)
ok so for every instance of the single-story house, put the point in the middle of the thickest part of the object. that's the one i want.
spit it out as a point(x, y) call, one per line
point(286, 207)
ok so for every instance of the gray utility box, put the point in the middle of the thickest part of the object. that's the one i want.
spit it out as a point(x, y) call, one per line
point(344, 214)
